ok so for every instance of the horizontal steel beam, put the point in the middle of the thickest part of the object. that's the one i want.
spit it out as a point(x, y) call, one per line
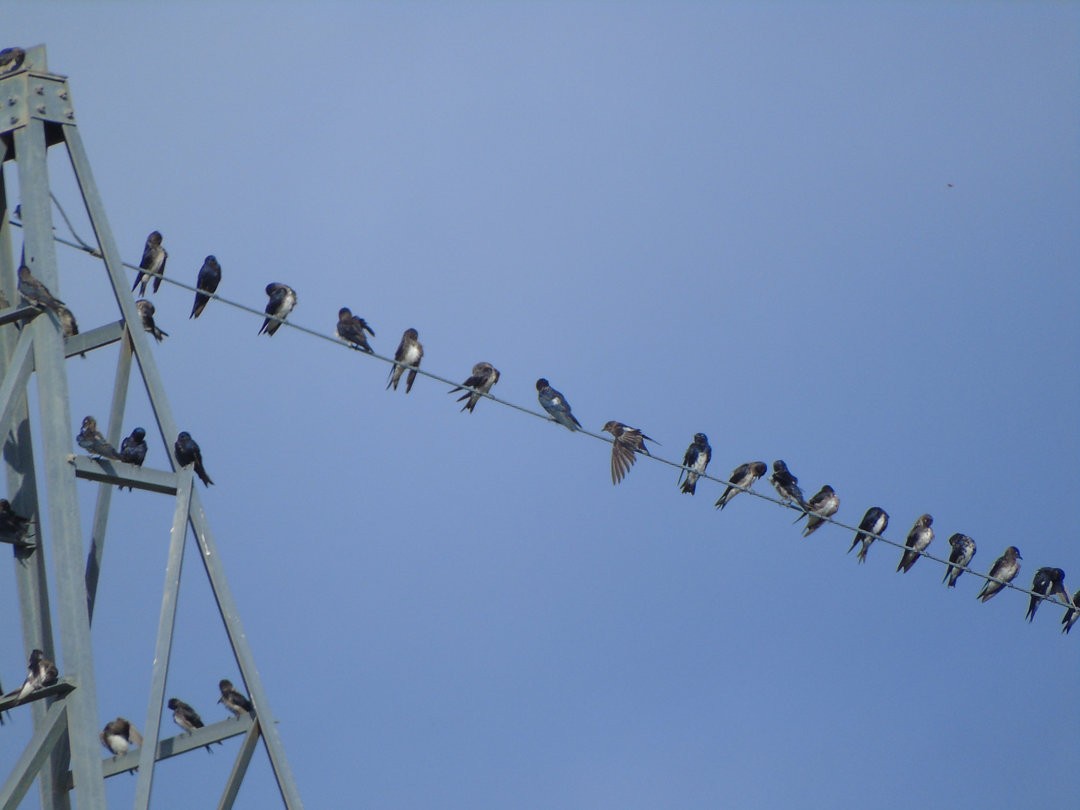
point(174, 746)
point(108, 471)
point(94, 339)
point(58, 689)
point(17, 314)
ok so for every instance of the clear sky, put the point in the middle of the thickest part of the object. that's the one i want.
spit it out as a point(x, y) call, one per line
point(840, 234)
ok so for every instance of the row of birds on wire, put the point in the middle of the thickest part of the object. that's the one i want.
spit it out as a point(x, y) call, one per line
point(120, 735)
point(627, 442)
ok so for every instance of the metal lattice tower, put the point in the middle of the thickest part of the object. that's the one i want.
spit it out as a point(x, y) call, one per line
point(64, 753)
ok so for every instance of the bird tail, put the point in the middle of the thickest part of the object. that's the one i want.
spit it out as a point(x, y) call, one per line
point(688, 486)
point(721, 502)
point(862, 552)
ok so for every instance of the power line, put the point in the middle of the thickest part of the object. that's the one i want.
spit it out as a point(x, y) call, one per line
point(81, 245)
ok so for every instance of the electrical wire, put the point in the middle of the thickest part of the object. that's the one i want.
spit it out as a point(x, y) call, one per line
point(86, 248)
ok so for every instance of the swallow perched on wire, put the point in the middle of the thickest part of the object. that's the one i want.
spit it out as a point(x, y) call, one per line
point(787, 485)
point(36, 293)
point(874, 522)
point(93, 441)
point(233, 700)
point(483, 379)
point(282, 302)
point(556, 405)
point(963, 550)
point(1005, 568)
point(409, 353)
point(1072, 614)
point(918, 539)
point(152, 265)
point(119, 735)
point(743, 477)
point(146, 315)
point(40, 672)
point(351, 329)
point(207, 283)
point(822, 506)
point(12, 524)
point(628, 442)
point(188, 452)
point(1048, 583)
point(695, 460)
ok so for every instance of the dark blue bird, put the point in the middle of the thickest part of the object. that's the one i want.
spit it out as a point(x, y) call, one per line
point(188, 452)
point(153, 261)
point(133, 448)
point(874, 522)
point(697, 458)
point(207, 282)
point(282, 302)
point(556, 405)
point(1048, 583)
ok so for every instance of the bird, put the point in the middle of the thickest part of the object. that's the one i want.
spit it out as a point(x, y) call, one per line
point(483, 379)
point(146, 315)
point(12, 524)
point(188, 452)
point(153, 262)
point(11, 60)
point(695, 460)
point(787, 485)
point(1048, 583)
point(1005, 568)
point(1072, 614)
point(627, 443)
point(822, 506)
point(36, 293)
point(40, 672)
point(874, 522)
point(207, 284)
point(409, 353)
point(187, 718)
point(742, 477)
point(184, 716)
point(119, 735)
point(351, 329)
point(556, 405)
point(93, 441)
point(282, 302)
point(133, 448)
point(963, 549)
point(233, 700)
point(918, 539)
point(68, 324)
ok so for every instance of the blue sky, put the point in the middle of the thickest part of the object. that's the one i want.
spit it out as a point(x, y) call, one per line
point(729, 218)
